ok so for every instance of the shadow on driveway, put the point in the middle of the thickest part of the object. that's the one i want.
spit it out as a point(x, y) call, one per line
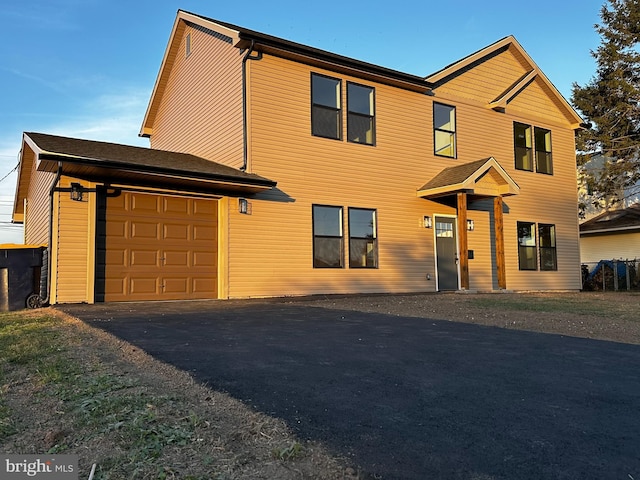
point(407, 398)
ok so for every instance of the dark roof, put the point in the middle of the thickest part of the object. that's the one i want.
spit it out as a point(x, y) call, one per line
point(298, 48)
point(140, 159)
point(623, 219)
point(454, 175)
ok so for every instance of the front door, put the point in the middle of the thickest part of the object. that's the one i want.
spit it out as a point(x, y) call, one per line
point(446, 253)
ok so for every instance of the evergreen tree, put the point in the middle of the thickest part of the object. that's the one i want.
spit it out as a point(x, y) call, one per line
point(611, 103)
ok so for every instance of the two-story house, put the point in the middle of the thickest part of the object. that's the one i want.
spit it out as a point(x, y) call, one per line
point(279, 169)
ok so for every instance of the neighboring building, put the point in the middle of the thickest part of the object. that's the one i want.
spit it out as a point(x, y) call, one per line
point(306, 172)
point(612, 235)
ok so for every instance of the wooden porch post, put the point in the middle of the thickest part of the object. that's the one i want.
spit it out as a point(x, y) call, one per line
point(499, 227)
point(462, 239)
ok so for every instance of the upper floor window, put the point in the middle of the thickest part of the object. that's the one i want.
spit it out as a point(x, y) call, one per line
point(360, 114)
point(444, 126)
point(326, 107)
point(363, 244)
point(522, 143)
point(327, 237)
point(543, 150)
point(525, 144)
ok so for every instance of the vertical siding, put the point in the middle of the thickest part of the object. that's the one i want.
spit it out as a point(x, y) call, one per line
point(75, 247)
point(200, 111)
point(270, 251)
point(36, 221)
point(625, 246)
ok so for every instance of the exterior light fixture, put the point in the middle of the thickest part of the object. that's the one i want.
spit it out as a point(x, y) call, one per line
point(426, 221)
point(76, 192)
point(243, 206)
point(470, 225)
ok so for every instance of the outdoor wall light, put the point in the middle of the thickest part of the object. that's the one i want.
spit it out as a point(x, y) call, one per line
point(76, 192)
point(243, 206)
point(426, 221)
point(470, 225)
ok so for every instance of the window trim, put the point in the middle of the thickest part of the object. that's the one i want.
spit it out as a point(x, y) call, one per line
point(454, 131)
point(314, 236)
point(374, 211)
point(529, 149)
point(337, 110)
point(533, 227)
point(371, 117)
point(547, 152)
point(553, 248)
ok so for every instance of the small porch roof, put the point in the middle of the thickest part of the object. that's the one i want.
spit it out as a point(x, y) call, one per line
point(484, 177)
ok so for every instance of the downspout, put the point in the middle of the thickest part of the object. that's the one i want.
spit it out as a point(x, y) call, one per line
point(49, 256)
point(247, 56)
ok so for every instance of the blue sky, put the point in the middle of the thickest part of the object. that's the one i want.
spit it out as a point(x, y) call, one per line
point(86, 68)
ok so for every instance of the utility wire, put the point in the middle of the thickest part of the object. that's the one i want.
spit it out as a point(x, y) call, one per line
point(14, 169)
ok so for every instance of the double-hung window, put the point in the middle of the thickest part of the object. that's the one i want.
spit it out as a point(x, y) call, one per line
point(326, 113)
point(547, 238)
point(444, 126)
point(360, 114)
point(328, 243)
point(543, 150)
point(532, 247)
point(522, 143)
point(363, 244)
point(528, 140)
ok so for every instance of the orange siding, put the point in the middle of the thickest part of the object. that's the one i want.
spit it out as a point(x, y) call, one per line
point(270, 251)
point(36, 222)
point(200, 111)
point(75, 244)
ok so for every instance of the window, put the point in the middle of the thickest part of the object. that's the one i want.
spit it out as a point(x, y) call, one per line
point(527, 255)
point(360, 114)
point(363, 247)
point(325, 109)
point(444, 125)
point(547, 238)
point(522, 142)
point(327, 237)
point(543, 150)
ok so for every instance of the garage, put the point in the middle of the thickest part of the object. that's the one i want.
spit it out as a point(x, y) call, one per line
point(152, 246)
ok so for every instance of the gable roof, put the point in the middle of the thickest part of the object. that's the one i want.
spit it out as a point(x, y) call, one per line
point(613, 221)
point(112, 162)
point(247, 39)
point(500, 102)
point(469, 177)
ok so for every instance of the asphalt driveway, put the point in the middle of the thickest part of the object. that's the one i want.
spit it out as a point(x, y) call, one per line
point(407, 398)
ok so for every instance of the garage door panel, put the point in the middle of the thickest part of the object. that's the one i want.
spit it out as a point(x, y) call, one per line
point(157, 247)
point(205, 259)
point(176, 258)
point(204, 233)
point(145, 258)
point(173, 231)
point(204, 286)
point(144, 285)
point(141, 204)
point(144, 230)
point(176, 205)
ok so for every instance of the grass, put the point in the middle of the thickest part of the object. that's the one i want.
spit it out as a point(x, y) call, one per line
point(62, 381)
point(586, 304)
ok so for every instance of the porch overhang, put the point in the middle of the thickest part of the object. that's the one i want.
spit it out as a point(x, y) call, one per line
point(483, 178)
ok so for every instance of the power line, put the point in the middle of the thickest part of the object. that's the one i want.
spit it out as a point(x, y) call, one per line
point(13, 170)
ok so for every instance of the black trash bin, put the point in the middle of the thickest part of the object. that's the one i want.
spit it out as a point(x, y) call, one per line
point(20, 267)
